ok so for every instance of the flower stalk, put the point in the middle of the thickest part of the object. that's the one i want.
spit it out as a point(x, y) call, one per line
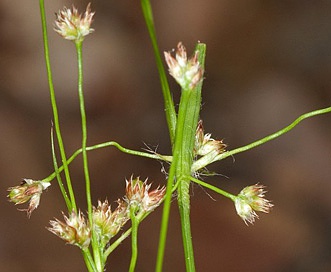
point(169, 106)
point(55, 110)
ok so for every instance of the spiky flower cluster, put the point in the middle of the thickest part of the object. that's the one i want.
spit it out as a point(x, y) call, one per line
point(187, 72)
point(106, 223)
point(138, 195)
point(75, 230)
point(30, 190)
point(251, 200)
point(204, 144)
point(206, 149)
point(74, 26)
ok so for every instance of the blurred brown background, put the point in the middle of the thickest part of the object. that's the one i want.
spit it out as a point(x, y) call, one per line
point(267, 63)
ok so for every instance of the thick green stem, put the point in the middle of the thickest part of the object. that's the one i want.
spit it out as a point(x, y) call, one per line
point(183, 170)
point(180, 168)
point(95, 246)
point(89, 261)
point(188, 116)
point(54, 108)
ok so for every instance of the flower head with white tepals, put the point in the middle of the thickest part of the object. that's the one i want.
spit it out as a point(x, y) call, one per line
point(205, 144)
point(75, 230)
point(139, 196)
point(107, 223)
point(74, 26)
point(29, 190)
point(206, 149)
point(251, 200)
point(187, 72)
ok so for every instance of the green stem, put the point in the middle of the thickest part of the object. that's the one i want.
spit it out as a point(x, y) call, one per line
point(134, 239)
point(184, 170)
point(168, 101)
point(140, 217)
point(54, 108)
point(114, 245)
point(188, 116)
point(213, 188)
point(89, 261)
point(274, 135)
point(118, 146)
point(57, 172)
point(94, 241)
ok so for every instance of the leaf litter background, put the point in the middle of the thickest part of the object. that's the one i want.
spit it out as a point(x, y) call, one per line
point(267, 63)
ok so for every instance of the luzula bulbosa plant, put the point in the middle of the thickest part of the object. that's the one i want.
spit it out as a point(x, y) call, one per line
point(97, 233)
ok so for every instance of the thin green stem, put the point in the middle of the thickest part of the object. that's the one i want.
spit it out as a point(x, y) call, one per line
point(54, 108)
point(166, 210)
point(57, 172)
point(168, 101)
point(94, 241)
point(134, 239)
point(274, 135)
point(114, 245)
point(119, 147)
point(213, 188)
point(140, 217)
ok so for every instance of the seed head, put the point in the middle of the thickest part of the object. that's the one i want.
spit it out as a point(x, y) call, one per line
point(74, 26)
point(251, 200)
point(187, 73)
point(206, 149)
point(74, 230)
point(205, 144)
point(29, 190)
point(106, 223)
point(138, 195)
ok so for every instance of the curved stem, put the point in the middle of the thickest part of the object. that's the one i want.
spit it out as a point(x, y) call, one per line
point(119, 147)
point(94, 240)
point(54, 108)
point(114, 245)
point(274, 135)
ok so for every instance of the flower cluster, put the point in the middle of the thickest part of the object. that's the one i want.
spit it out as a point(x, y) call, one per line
point(30, 190)
point(206, 148)
point(204, 144)
point(251, 200)
point(73, 26)
point(75, 230)
point(138, 195)
point(106, 223)
point(187, 72)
